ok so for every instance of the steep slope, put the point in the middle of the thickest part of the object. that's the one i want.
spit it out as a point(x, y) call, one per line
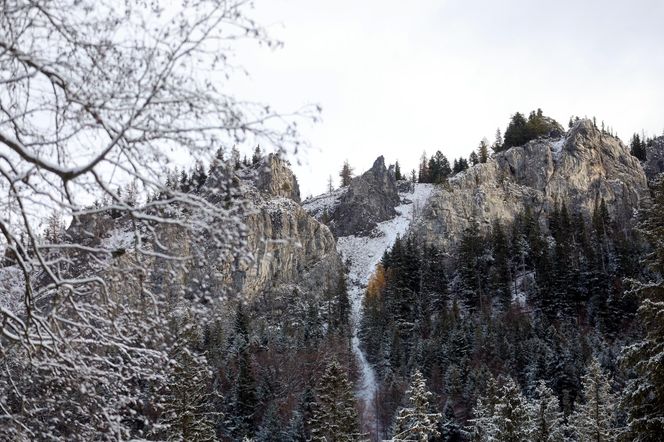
point(654, 164)
point(369, 199)
point(579, 169)
point(368, 215)
point(288, 248)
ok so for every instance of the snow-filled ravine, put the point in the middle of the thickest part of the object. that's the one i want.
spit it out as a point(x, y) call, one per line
point(363, 254)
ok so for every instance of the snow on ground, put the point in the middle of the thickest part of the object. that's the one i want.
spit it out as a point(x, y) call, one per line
point(118, 239)
point(363, 254)
point(315, 206)
point(557, 147)
point(522, 287)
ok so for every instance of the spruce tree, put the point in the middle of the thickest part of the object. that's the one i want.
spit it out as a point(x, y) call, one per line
point(416, 422)
point(645, 393)
point(450, 429)
point(335, 418)
point(638, 147)
point(500, 274)
point(423, 174)
point(397, 172)
point(512, 419)
point(547, 420)
point(241, 402)
point(298, 428)
point(270, 428)
point(516, 132)
point(188, 412)
point(483, 150)
point(498, 142)
point(483, 424)
point(473, 158)
point(592, 420)
point(256, 157)
point(346, 174)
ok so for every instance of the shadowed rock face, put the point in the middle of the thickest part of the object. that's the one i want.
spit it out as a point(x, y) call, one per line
point(370, 199)
point(654, 164)
point(579, 169)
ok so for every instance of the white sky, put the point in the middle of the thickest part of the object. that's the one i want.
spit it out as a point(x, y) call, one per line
point(399, 77)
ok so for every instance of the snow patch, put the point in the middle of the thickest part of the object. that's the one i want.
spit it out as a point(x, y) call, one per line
point(363, 253)
point(317, 205)
point(118, 239)
point(522, 287)
point(557, 148)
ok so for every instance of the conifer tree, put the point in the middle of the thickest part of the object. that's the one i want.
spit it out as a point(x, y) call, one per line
point(500, 268)
point(397, 172)
point(298, 428)
point(346, 174)
point(256, 157)
point(547, 420)
point(416, 422)
point(638, 147)
point(469, 268)
point(188, 404)
point(199, 175)
point(645, 393)
point(512, 420)
point(483, 424)
point(270, 428)
point(423, 174)
point(483, 150)
point(497, 145)
point(54, 231)
point(450, 430)
point(592, 420)
point(516, 132)
point(473, 158)
point(335, 418)
point(241, 401)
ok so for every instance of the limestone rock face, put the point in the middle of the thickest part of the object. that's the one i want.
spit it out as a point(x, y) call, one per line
point(579, 169)
point(370, 199)
point(273, 176)
point(287, 249)
point(654, 164)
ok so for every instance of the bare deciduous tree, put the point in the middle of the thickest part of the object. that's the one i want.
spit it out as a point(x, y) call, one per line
point(95, 94)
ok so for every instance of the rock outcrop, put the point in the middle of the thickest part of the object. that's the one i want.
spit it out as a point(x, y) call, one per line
point(273, 177)
point(370, 199)
point(287, 248)
point(654, 164)
point(579, 169)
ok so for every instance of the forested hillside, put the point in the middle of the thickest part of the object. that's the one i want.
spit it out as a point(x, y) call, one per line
point(162, 277)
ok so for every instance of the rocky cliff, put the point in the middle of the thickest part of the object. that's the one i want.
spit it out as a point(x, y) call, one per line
point(356, 210)
point(287, 248)
point(654, 164)
point(579, 169)
point(273, 177)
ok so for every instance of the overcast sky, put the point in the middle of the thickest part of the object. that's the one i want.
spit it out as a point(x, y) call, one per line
point(400, 77)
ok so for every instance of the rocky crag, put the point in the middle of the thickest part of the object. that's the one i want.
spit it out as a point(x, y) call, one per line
point(579, 169)
point(654, 164)
point(287, 249)
point(357, 209)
